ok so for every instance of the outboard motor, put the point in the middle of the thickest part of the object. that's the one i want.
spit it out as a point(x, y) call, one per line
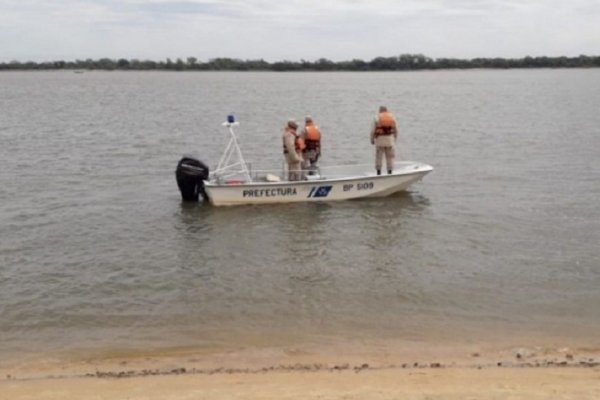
point(190, 174)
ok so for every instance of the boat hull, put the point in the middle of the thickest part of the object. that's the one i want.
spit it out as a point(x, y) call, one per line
point(319, 190)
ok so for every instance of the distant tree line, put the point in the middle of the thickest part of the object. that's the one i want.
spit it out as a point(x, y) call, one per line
point(404, 62)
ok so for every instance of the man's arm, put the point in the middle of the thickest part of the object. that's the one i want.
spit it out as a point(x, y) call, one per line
point(372, 134)
point(290, 144)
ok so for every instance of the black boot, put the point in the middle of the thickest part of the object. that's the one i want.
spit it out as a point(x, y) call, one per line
point(389, 171)
point(378, 172)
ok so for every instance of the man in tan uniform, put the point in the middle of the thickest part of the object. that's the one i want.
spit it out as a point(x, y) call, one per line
point(292, 150)
point(311, 134)
point(383, 135)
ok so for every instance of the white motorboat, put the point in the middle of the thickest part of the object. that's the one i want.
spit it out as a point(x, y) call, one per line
point(233, 183)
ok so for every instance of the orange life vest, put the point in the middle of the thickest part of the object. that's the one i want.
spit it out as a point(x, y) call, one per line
point(299, 144)
point(312, 137)
point(385, 124)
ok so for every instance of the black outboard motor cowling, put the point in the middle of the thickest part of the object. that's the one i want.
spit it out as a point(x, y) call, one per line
point(190, 174)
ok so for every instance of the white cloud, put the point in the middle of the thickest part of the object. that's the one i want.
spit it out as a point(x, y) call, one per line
point(295, 29)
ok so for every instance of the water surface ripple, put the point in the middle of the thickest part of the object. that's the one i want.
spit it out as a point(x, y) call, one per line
point(98, 252)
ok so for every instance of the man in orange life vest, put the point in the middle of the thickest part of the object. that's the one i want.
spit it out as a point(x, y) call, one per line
point(292, 150)
point(383, 136)
point(311, 134)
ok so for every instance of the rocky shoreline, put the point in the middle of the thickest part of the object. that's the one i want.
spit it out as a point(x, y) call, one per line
point(520, 361)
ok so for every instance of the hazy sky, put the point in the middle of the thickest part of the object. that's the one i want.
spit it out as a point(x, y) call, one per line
point(277, 30)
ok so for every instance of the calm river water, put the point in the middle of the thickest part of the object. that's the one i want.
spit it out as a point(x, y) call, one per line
point(98, 253)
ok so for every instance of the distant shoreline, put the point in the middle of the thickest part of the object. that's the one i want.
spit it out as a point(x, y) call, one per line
point(404, 62)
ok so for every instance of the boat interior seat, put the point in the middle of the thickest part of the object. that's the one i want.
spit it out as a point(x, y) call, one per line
point(272, 178)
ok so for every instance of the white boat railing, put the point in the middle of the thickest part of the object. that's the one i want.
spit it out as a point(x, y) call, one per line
point(225, 176)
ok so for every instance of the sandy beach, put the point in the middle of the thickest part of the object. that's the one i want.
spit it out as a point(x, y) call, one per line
point(287, 373)
point(394, 383)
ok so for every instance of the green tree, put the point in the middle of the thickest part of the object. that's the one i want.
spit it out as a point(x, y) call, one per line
point(122, 63)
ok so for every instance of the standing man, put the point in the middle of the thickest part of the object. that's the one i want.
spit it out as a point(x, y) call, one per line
point(383, 136)
point(292, 150)
point(311, 134)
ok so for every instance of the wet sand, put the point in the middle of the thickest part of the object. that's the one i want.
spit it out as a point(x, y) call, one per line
point(426, 372)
